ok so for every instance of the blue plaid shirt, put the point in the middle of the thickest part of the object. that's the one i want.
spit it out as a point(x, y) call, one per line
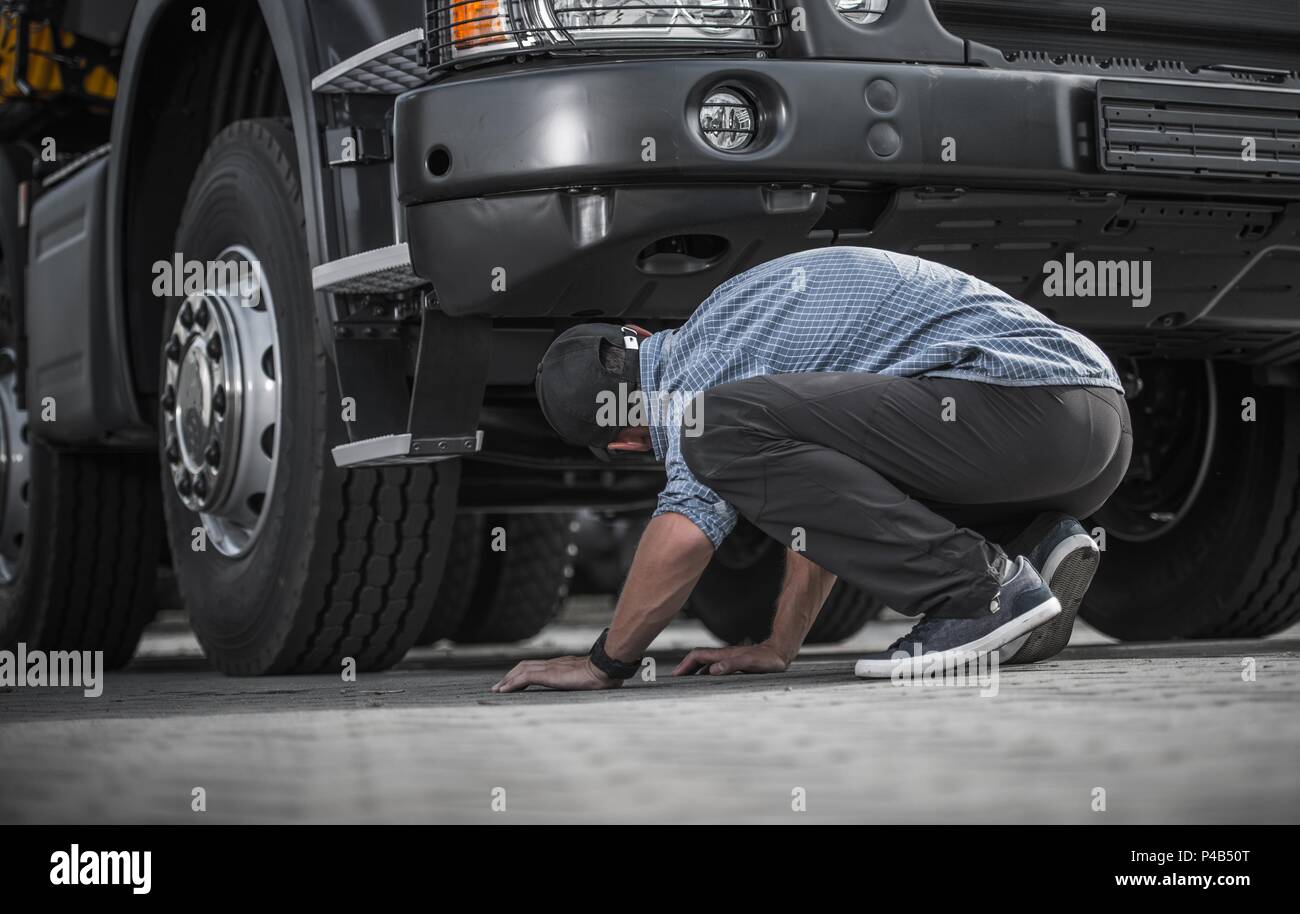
point(848, 309)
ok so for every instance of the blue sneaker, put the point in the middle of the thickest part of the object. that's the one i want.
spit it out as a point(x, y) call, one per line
point(1066, 557)
point(1023, 603)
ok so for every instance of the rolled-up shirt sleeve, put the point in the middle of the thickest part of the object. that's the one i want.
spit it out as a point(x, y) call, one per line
point(686, 495)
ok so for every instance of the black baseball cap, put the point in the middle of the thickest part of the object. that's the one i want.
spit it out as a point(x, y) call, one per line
point(572, 375)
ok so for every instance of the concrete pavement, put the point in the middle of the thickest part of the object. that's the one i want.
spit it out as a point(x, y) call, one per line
point(1169, 732)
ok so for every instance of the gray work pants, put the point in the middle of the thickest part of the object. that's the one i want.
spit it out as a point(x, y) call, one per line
point(888, 481)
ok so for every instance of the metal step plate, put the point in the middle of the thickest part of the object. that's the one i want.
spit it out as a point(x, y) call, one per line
point(397, 450)
point(383, 271)
point(389, 68)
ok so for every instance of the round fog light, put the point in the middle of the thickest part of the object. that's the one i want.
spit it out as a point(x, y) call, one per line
point(861, 12)
point(727, 120)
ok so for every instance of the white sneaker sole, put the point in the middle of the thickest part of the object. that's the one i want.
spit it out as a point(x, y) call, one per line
point(910, 665)
point(1064, 548)
point(1079, 543)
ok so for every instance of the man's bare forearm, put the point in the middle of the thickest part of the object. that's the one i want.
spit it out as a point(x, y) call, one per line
point(806, 587)
point(670, 558)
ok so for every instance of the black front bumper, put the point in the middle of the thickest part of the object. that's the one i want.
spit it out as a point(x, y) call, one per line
point(589, 189)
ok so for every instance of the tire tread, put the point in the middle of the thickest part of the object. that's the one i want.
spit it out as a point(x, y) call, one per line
point(92, 585)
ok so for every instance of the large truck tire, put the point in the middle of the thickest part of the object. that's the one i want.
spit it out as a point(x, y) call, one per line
point(607, 546)
point(80, 532)
point(735, 598)
point(303, 566)
point(1203, 538)
point(519, 589)
point(846, 612)
point(459, 578)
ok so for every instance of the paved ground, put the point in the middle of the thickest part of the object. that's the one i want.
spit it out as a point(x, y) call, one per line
point(1170, 732)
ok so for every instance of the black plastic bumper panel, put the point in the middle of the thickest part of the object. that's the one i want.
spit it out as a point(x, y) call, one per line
point(1223, 275)
point(637, 122)
point(545, 202)
point(624, 250)
point(824, 122)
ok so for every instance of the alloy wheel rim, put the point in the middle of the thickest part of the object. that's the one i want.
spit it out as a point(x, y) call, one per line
point(15, 469)
point(221, 405)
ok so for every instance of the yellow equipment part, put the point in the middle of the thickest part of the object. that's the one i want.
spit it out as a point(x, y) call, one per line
point(43, 74)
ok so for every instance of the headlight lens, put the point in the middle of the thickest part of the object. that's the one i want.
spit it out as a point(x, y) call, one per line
point(461, 28)
point(669, 19)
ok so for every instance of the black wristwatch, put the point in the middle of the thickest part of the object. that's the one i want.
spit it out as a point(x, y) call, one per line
point(614, 669)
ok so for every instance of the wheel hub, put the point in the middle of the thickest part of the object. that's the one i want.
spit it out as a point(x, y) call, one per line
point(15, 468)
point(1175, 422)
point(194, 388)
point(221, 406)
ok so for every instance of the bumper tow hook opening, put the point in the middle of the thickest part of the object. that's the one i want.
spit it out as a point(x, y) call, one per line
point(682, 255)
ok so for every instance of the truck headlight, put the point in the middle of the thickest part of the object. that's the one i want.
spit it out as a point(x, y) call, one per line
point(670, 20)
point(463, 28)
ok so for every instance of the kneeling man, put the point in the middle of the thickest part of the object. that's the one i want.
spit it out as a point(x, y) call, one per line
point(877, 407)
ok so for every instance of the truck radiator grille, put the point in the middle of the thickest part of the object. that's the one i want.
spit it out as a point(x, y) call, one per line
point(1198, 130)
point(466, 31)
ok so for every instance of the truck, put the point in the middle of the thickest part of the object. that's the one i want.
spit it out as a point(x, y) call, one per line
point(277, 275)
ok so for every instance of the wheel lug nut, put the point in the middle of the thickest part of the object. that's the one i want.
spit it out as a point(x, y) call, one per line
point(173, 454)
point(219, 401)
point(187, 316)
point(201, 486)
point(203, 316)
point(173, 349)
point(185, 486)
point(169, 400)
point(214, 349)
point(213, 455)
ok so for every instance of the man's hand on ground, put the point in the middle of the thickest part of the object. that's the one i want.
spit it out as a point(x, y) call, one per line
point(572, 674)
point(753, 658)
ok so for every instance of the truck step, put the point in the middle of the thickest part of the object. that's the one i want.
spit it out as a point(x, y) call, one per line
point(389, 68)
point(382, 271)
point(397, 450)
